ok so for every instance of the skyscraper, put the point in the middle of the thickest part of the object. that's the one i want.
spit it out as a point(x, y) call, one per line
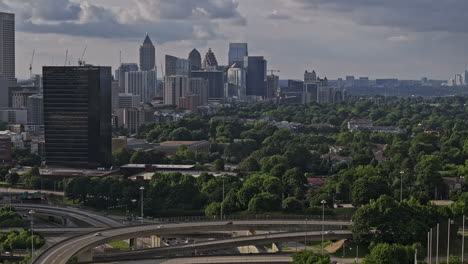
point(142, 83)
point(120, 73)
point(195, 60)
point(458, 79)
point(236, 83)
point(7, 47)
point(199, 86)
point(272, 86)
point(36, 109)
point(255, 67)
point(465, 77)
point(77, 116)
point(147, 55)
point(215, 82)
point(237, 52)
point(210, 60)
point(310, 77)
point(177, 66)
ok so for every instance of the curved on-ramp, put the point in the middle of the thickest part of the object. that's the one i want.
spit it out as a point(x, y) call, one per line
point(91, 218)
point(62, 252)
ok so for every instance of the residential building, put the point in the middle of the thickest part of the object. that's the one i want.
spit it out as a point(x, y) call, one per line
point(18, 96)
point(199, 86)
point(236, 83)
point(215, 82)
point(349, 82)
point(36, 110)
point(77, 116)
point(189, 102)
point(255, 67)
point(7, 47)
point(310, 92)
point(120, 74)
point(175, 87)
point(237, 52)
point(127, 100)
point(362, 82)
point(170, 148)
point(195, 60)
point(310, 77)
point(330, 95)
point(210, 60)
point(5, 149)
point(142, 83)
point(14, 116)
point(147, 55)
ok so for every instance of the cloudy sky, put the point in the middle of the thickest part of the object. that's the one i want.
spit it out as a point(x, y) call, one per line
point(407, 39)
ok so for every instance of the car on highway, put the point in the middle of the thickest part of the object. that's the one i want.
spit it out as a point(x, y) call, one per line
point(160, 226)
point(98, 234)
point(229, 223)
point(329, 232)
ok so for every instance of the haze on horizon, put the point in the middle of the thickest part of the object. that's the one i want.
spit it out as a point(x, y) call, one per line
point(379, 38)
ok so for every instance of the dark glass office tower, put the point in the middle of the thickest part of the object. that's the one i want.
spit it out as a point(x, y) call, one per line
point(77, 116)
point(256, 67)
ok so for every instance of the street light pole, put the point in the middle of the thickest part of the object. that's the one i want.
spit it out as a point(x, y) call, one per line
point(448, 242)
point(31, 213)
point(463, 241)
point(323, 222)
point(222, 202)
point(401, 185)
point(437, 245)
point(142, 202)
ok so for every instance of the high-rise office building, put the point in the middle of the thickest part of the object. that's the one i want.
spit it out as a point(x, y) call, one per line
point(175, 87)
point(310, 77)
point(36, 110)
point(210, 60)
point(77, 116)
point(215, 82)
point(177, 66)
point(199, 86)
point(128, 100)
point(459, 80)
point(236, 83)
point(465, 77)
point(120, 73)
point(7, 47)
point(142, 83)
point(255, 67)
point(195, 60)
point(237, 52)
point(147, 55)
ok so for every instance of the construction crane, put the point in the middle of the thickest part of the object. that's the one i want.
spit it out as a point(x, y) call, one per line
point(81, 61)
point(66, 58)
point(273, 71)
point(31, 64)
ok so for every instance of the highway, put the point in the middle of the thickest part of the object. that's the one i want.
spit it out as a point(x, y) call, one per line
point(277, 259)
point(62, 252)
point(91, 218)
point(230, 243)
point(14, 190)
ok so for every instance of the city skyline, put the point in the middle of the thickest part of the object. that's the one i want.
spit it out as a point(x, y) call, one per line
point(293, 35)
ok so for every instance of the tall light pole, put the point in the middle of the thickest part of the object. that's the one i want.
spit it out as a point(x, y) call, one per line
point(142, 189)
point(9, 194)
point(323, 202)
point(448, 242)
point(31, 213)
point(437, 245)
point(401, 185)
point(463, 241)
point(222, 202)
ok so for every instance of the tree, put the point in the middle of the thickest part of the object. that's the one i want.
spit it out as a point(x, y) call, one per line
point(121, 157)
point(246, 193)
point(460, 207)
point(390, 254)
point(368, 188)
point(218, 165)
point(264, 202)
point(12, 178)
point(309, 257)
point(214, 209)
point(293, 179)
point(181, 133)
point(292, 205)
point(250, 164)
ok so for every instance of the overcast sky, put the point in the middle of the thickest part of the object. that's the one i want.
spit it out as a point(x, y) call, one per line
point(407, 39)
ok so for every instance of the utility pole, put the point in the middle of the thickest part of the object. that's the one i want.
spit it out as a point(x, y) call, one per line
point(142, 202)
point(448, 242)
point(323, 222)
point(401, 185)
point(463, 241)
point(437, 245)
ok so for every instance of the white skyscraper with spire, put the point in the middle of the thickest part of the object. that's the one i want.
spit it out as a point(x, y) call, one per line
point(147, 55)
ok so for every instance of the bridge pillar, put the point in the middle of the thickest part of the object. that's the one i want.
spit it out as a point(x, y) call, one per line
point(64, 221)
point(86, 256)
point(132, 243)
point(276, 247)
point(156, 241)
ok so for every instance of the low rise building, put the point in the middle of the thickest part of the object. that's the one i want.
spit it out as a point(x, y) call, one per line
point(170, 148)
point(5, 149)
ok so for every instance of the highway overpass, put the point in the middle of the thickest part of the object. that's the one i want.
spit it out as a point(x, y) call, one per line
point(63, 251)
point(189, 249)
point(91, 218)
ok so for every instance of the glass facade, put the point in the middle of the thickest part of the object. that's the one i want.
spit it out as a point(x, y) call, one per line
point(237, 52)
point(77, 116)
point(256, 75)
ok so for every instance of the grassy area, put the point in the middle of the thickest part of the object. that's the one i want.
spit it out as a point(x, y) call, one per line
point(119, 244)
point(48, 219)
point(351, 250)
point(318, 244)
